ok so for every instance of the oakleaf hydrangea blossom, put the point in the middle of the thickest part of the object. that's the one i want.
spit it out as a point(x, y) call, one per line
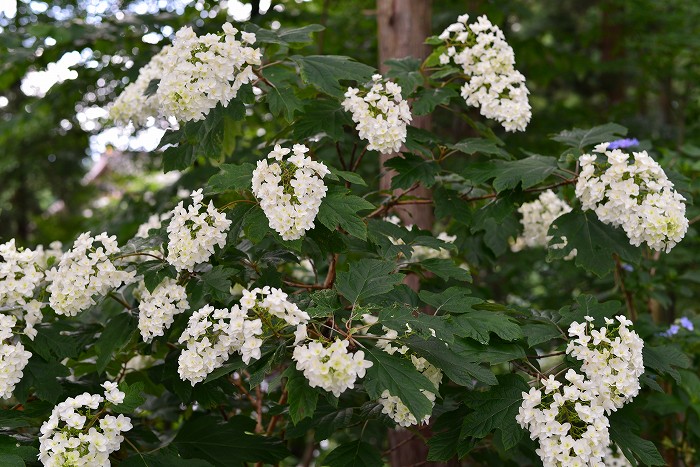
point(13, 357)
point(537, 217)
point(274, 302)
point(394, 407)
point(381, 114)
point(290, 190)
point(611, 357)
point(157, 309)
point(567, 420)
point(112, 392)
point(203, 71)
point(212, 335)
point(615, 458)
point(193, 233)
point(20, 274)
point(133, 105)
point(633, 194)
point(73, 435)
point(493, 84)
point(85, 271)
point(331, 367)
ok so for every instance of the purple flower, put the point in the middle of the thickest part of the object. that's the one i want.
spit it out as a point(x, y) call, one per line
point(672, 331)
point(686, 323)
point(623, 143)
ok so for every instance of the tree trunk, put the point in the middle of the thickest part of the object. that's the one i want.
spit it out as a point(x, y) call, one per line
point(403, 26)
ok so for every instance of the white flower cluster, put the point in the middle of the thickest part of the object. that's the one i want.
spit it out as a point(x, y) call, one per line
point(635, 195)
point(72, 435)
point(394, 407)
point(422, 252)
point(84, 272)
point(133, 105)
point(615, 458)
point(157, 309)
point(192, 234)
point(570, 421)
point(612, 358)
point(570, 425)
point(290, 191)
point(494, 85)
point(212, 335)
point(537, 217)
point(273, 301)
point(381, 114)
point(332, 368)
point(13, 357)
point(200, 72)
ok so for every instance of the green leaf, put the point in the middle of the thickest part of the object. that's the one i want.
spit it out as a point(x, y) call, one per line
point(156, 273)
point(227, 444)
point(339, 209)
point(489, 147)
point(160, 459)
point(354, 454)
point(11, 446)
point(44, 377)
point(541, 332)
point(496, 409)
point(133, 397)
point(51, 345)
point(325, 303)
point(454, 299)
point(398, 376)
point(152, 87)
point(284, 36)
point(478, 324)
point(302, 397)
point(231, 177)
point(412, 169)
point(351, 177)
point(255, 224)
point(216, 281)
point(588, 305)
point(506, 175)
point(427, 99)
point(579, 139)
point(399, 318)
point(321, 116)
point(324, 72)
point(265, 365)
point(664, 359)
point(449, 358)
point(446, 269)
point(367, 278)
point(622, 434)
point(116, 334)
point(494, 353)
point(594, 241)
point(406, 73)
point(11, 460)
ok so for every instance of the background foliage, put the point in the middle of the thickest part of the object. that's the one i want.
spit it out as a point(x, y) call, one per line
point(630, 62)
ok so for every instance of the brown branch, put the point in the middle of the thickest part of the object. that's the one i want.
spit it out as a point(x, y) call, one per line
point(330, 277)
point(258, 409)
point(239, 384)
point(356, 164)
point(276, 418)
point(340, 156)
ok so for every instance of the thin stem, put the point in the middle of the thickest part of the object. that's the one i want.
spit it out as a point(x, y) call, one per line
point(547, 355)
point(356, 164)
point(275, 419)
point(629, 301)
point(340, 156)
point(120, 300)
point(234, 202)
point(140, 253)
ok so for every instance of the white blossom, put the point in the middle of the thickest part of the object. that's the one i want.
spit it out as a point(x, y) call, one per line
point(488, 62)
point(72, 436)
point(157, 309)
point(193, 233)
point(381, 114)
point(112, 392)
point(274, 302)
point(611, 358)
point(537, 217)
point(133, 105)
point(567, 420)
point(203, 71)
point(332, 368)
point(85, 271)
point(633, 194)
point(212, 335)
point(13, 357)
point(290, 190)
